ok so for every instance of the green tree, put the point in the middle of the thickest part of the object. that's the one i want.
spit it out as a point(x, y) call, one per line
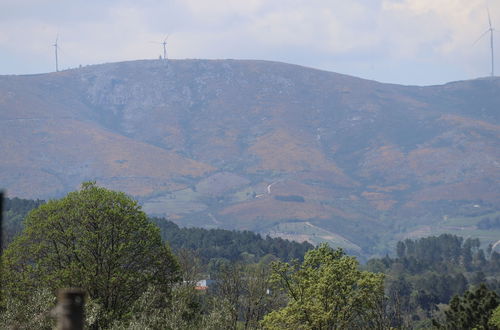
point(246, 289)
point(470, 311)
point(33, 313)
point(328, 291)
point(96, 239)
point(495, 318)
point(180, 310)
point(230, 288)
point(257, 299)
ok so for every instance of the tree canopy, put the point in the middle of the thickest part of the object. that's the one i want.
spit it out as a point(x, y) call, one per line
point(96, 239)
point(327, 291)
point(471, 311)
point(429, 271)
point(231, 245)
point(15, 210)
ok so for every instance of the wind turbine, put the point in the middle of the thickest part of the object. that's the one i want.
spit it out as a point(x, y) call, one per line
point(164, 43)
point(55, 50)
point(490, 30)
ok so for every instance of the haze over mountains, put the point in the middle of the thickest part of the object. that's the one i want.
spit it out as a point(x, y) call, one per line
point(271, 147)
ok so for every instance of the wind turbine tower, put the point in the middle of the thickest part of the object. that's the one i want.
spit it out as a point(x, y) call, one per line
point(490, 30)
point(164, 43)
point(55, 50)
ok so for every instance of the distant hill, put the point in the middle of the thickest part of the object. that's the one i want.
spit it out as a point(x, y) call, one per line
point(271, 147)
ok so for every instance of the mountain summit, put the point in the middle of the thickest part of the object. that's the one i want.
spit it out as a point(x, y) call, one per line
point(272, 147)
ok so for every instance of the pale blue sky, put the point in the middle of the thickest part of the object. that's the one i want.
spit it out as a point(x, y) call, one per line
point(420, 42)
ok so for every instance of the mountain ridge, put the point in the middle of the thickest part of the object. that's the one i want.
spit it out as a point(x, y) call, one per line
point(201, 142)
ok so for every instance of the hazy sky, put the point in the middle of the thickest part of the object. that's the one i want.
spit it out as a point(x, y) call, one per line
point(420, 42)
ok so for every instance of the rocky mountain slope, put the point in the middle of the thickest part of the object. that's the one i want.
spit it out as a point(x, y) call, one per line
point(272, 147)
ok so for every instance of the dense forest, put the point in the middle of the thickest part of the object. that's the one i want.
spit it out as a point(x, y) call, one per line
point(207, 244)
point(233, 246)
point(15, 210)
point(427, 273)
point(149, 273)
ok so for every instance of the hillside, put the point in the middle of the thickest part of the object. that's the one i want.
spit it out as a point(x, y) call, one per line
point(270, 147)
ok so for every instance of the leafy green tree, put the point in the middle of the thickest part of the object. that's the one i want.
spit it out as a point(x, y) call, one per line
point(399, 301)
point(96, 239)
point(470, 311)
point(327, 291)
point(179, 310)
point(258, 298)
point(230, 288)
point(34, 313)
point(247, 289)
point(184, 309)
point(495, 318)
point(436, 269)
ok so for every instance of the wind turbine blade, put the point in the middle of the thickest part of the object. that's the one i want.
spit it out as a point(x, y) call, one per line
point(489, 18)
point(482, 35)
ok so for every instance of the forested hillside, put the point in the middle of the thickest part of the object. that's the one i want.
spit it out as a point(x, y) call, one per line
point(249, 282)
point(229, 245)
point(428, 272)
point(15, 210)
point(207, 244)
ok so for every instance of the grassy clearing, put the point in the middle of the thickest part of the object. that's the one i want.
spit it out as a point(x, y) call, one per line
point(243, 195)
point(467, 221)
point(301, 231)
point(465, 227)
point(181, 201)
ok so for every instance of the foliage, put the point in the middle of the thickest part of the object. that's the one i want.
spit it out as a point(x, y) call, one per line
point(231, 245)
point(101, 240)
point(495, 318)
point(219, 317)
point(472, 310)
point(259, 297)
point(156, 310)
point(93, 238)
point(185, 309)
point(327, 291)
point(439, 253)
point(430, 271)
point(248, 290)
point(206, 244)
point(31, 313)
point(15, 210)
